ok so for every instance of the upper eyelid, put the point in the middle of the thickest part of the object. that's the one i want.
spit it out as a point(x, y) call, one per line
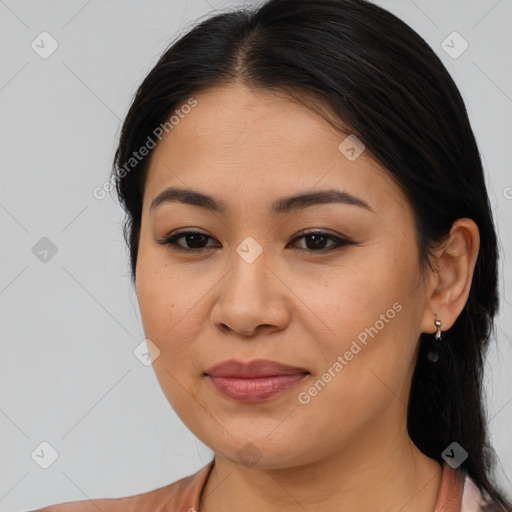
point(303, 232)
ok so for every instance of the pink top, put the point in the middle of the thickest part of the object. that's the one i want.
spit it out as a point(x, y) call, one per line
point(458, 493)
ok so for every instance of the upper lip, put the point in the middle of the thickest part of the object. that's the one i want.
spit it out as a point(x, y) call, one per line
point(254, 368)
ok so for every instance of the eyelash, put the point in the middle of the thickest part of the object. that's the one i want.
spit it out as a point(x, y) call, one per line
point(171, 241)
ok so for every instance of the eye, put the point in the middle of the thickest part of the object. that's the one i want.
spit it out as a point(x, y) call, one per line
point(318, 239)
point(195, 241)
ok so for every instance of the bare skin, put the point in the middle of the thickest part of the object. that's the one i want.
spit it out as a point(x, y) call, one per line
point(347, 448)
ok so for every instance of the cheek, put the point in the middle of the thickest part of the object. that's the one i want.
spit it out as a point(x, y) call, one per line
point(162, 295)
point(370, 315)
point(350, 296)
point(173, 315)
point(360, 380)
point(167, 324)
point(156, 305)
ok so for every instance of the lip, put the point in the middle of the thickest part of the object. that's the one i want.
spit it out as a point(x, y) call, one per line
point(254, 368)
point(255, 380)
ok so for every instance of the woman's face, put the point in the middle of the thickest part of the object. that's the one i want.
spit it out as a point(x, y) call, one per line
point(256, 288)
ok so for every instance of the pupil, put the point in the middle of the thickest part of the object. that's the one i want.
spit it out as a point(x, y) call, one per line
point(192, 237)
point(317, 240)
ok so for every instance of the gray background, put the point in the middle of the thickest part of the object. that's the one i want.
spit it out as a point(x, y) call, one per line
point(69, 324)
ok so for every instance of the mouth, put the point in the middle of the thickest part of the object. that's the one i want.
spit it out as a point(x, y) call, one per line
point(254, 381)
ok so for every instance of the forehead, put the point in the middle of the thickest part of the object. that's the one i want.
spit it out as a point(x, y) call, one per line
point(247, 145)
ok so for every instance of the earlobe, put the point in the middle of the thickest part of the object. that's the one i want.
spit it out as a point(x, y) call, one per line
point(449, 285)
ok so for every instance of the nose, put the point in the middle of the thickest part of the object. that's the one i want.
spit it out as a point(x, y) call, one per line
point(252, 299)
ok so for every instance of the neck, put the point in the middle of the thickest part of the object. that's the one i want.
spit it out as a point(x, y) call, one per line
point(379, 468)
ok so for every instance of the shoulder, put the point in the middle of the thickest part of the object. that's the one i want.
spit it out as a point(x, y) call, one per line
point(181, 495)
point(475, 499)
point(460, 493)
point(472, 497)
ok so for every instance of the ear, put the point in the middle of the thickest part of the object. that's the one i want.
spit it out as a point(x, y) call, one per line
point(449, 284)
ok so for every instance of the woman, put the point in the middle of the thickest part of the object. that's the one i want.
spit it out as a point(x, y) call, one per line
point(315, 262)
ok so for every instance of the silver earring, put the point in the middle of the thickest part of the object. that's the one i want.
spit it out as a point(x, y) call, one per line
point(433, 354)
point(438, 333)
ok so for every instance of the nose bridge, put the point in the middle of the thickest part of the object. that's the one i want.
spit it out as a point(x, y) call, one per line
point(248, 298)
point(249, 267)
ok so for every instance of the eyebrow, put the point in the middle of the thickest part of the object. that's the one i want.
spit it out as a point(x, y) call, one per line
point(283, 205)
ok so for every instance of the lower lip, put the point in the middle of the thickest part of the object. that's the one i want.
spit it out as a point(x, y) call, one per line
point(255, 389)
